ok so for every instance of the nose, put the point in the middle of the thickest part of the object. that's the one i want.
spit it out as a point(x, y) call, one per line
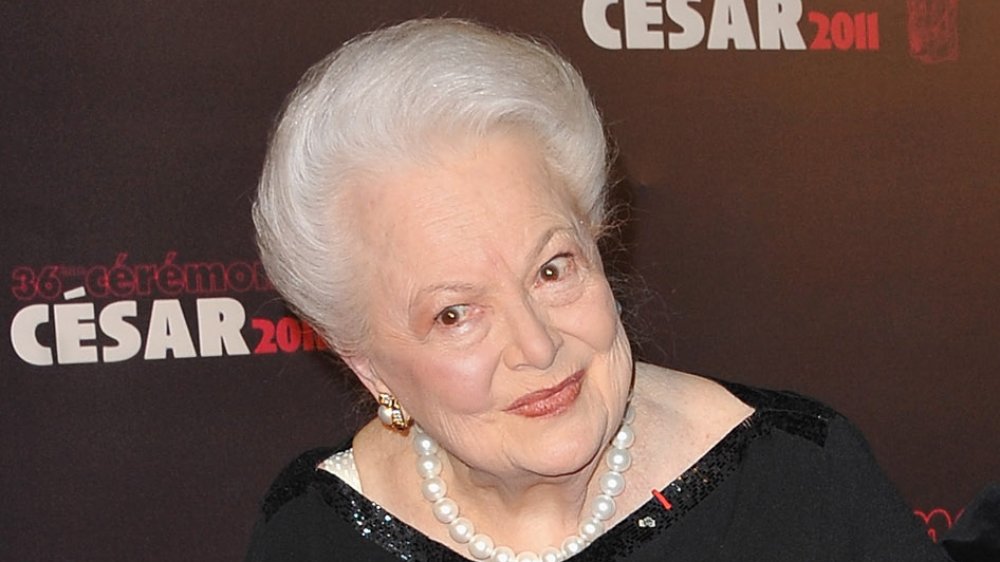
point(533, 343)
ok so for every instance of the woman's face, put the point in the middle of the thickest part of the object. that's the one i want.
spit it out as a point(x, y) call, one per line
point(492, 321)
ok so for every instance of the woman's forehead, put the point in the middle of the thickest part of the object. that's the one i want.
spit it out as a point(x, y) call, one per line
point(499, 190)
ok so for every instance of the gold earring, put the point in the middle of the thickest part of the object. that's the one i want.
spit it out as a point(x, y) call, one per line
point(391, 413)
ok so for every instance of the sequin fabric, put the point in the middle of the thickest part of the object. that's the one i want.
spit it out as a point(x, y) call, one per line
point(773, 411)
point(376, 524)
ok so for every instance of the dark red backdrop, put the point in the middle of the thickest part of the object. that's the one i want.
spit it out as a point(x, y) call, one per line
point(821, 220)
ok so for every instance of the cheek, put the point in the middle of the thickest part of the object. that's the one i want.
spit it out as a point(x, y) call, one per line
point(443, 384)
point(594, 320)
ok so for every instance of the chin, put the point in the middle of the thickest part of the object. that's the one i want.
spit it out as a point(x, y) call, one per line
point(564, 448)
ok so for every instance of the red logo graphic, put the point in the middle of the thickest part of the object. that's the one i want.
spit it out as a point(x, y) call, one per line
point(844, 32)
point(933, 30)
point(114, 312)
point(171, 277)
point(938, 521)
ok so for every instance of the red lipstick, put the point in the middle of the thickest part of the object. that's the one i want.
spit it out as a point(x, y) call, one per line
point(548, 401)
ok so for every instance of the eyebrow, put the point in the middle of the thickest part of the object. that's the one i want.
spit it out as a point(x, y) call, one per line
point(424, 292)
point(448, 287)
point(547, 237)
point(445, 288)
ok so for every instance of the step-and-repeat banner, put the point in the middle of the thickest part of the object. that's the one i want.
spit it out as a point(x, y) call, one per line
point(815, 205)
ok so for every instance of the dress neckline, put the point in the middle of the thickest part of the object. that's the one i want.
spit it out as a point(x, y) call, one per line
point(664, 508)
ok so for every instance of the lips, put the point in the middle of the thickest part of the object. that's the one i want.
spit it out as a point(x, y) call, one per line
point(548, 401)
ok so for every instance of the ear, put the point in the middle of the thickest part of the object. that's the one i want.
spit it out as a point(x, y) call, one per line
point(365, 371)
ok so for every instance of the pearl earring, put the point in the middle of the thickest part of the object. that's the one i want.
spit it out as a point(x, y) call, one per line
point(391, 413)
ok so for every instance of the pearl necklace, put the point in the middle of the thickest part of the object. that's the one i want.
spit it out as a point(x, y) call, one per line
point(481, 545)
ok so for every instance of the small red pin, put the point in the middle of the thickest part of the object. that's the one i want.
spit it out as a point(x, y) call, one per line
point(662, 499)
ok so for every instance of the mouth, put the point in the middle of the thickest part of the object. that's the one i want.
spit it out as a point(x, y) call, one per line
point(548, 401)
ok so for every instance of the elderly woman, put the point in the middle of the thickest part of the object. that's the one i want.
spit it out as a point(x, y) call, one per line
point(431, 202)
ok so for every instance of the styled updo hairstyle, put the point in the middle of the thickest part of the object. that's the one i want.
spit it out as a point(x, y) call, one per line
point(385, 99)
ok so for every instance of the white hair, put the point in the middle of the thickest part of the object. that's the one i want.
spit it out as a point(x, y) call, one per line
point(381, 99)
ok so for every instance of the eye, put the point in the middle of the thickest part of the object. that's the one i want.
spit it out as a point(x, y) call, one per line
point(452, 315)
point(556, 269)
point(549, 273)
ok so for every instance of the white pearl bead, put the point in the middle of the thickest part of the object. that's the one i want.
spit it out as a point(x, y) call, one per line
point(445, 510)
point(590, 529)
point(624, 438)
point(502, 554)
point(612, 483)
point(481, 546)
point(550, 554)
point(618, 459)
point(428, 466)
point(433, 489)
point(461, 530)
point(572, 545)
point(423, 444)
point(384, 415)
point(603, 507)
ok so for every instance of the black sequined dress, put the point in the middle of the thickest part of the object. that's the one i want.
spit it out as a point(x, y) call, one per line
point(794, 482)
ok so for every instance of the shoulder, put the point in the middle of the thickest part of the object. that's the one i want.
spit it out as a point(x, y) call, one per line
point(302, 515)
point(790, 412)
point(786, 401)
point(806, 424)
point(296, 479)
point(802, 452)
point(308, 514)
point(718, 407)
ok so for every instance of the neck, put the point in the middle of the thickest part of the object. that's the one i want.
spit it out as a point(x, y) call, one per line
point(527, 510)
